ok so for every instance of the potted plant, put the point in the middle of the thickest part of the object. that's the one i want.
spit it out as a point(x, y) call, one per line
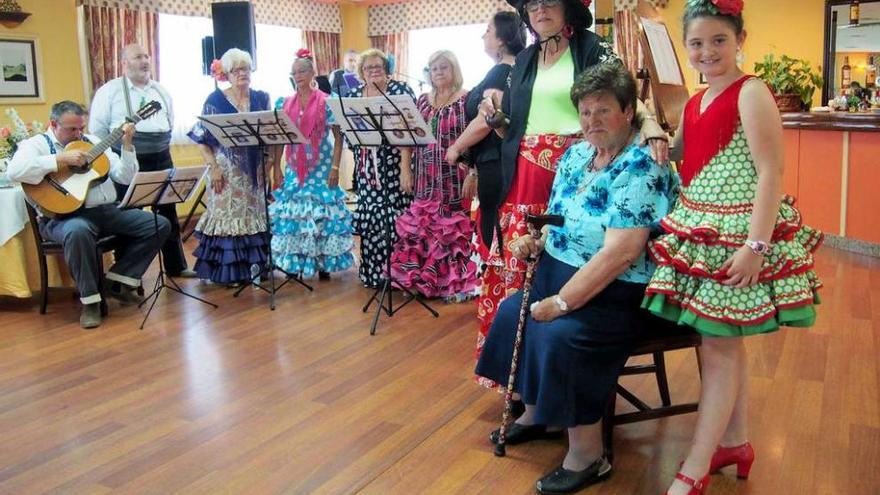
point(792, 81)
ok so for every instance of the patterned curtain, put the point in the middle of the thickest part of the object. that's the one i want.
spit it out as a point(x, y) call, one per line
point(626, 40)
point(109, 30)
point(325, 48)
point(396, 44)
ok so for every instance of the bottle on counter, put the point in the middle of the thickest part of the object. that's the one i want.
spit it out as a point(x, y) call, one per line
point(871, 73)
point(846, 73)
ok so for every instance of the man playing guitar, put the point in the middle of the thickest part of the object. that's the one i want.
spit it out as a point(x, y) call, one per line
point(99, 217)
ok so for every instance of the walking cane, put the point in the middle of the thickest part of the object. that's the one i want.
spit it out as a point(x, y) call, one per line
point(536, 223)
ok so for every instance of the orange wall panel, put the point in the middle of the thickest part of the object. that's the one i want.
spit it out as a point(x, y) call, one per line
point(792, 141)
point(863, 196)
point(820, 178)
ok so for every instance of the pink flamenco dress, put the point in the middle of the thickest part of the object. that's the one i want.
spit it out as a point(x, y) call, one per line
point(711, 222)
point(433, 253)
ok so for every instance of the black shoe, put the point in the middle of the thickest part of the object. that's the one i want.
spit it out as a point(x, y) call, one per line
point(122, 293)
point(562, 480)
point(323, 276)
point(517, 433)
point(90, 317)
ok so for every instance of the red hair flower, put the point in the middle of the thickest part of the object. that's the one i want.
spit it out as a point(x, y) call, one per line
point(217, 71)
point(729, 7)
point(587, 3)
point(304, 53)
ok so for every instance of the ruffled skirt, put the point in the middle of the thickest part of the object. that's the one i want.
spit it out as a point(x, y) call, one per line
point(311, 229)
point(688, 288)
point(433, 253)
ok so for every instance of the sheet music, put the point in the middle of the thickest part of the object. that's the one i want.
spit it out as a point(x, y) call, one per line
point(144, 189)
point(668, 71)
point(241, 129)
point(366, 120)
point(182, 183)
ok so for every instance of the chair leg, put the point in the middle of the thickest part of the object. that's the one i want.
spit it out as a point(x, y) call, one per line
point(608, 426)
point(100, 264)
point(662, 382)
point(44, 283)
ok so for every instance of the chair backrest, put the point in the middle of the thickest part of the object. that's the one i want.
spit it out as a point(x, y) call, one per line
point(34, 220)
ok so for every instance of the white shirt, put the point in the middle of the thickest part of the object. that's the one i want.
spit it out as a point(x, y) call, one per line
point(33, 160)
point(109, 111)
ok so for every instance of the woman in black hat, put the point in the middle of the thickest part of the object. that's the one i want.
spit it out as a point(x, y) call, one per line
point(542, 125)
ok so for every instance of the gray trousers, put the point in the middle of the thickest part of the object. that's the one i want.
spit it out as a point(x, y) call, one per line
point(78, 234)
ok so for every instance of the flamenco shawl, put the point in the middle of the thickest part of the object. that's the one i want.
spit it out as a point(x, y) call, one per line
point(702, 142)
point(311, 122)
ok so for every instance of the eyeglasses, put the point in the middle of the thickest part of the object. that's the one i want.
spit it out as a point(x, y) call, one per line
point(371, 68)
point(533, 5)
point(240, 70)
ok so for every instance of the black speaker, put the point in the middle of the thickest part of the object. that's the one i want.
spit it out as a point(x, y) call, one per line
point(207, 54)
point(234, 28)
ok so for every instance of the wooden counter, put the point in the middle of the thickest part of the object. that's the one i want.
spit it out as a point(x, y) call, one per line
point(832, 167)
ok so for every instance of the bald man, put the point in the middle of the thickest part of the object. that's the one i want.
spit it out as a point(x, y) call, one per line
point(122, 97)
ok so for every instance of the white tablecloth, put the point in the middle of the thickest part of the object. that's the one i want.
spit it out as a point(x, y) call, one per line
point(13, 215)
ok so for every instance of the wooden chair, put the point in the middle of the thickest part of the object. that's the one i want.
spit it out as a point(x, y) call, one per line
point(46, 248)
point(666, 337)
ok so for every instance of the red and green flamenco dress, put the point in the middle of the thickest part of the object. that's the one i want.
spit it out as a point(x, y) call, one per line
point(711, 222)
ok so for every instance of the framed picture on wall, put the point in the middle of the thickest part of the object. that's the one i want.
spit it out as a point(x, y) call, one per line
point(21, 71)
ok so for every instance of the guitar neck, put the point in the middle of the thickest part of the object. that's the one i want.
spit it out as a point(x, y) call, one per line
point(105, 143)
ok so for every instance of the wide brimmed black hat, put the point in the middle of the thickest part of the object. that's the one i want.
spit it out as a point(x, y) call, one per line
point(577, 13)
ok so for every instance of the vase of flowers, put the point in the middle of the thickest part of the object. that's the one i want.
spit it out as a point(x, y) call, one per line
point(13, 134)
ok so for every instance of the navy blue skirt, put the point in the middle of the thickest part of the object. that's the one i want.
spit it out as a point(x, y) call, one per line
point(568, 367)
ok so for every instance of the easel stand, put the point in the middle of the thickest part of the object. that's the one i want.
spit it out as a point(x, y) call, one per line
point(383, 295)
point(154, 194)
point(259, 129)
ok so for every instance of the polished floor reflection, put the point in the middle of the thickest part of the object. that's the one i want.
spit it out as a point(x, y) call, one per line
point(302, 400)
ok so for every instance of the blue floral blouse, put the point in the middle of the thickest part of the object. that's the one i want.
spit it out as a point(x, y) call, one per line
point(632, 192)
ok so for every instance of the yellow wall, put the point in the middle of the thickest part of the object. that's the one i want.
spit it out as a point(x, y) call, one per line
point(790, 27)
point(54, 24)
point(354, 28)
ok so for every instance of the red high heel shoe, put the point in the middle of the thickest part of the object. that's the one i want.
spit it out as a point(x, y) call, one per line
point(741, 455)
point(697, 487)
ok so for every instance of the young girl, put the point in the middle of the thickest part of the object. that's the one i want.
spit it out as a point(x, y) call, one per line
point(736, 260)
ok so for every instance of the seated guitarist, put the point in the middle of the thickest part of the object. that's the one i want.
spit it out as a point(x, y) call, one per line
point(79, 231)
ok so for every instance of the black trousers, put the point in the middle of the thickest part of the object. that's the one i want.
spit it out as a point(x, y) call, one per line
point(172, 251)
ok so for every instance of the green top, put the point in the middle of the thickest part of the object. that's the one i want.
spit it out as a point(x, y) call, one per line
point(552, 111)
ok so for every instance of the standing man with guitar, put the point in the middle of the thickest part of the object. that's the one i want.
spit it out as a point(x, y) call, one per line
point(119, 99)
point(45, 155)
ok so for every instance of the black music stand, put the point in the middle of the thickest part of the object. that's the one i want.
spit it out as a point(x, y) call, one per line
point(260, 129)
point(153, 189)
point(385, 125)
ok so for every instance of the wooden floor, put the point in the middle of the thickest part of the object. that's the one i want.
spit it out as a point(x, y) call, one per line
point(303, 400)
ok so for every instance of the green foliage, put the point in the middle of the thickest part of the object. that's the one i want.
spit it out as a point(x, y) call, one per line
point(788, 75)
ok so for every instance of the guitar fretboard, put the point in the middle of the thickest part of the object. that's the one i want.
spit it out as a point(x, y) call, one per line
point(105, 143)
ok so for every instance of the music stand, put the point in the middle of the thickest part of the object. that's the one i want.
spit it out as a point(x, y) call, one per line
point(153, 189)
point(390, 121)
point(260, 129)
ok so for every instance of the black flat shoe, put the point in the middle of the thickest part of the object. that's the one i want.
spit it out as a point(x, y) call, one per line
point(517, 433)
point(562, 480)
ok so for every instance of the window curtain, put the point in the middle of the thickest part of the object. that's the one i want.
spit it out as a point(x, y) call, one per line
point(626, 40)
point(325, 49)
point(396, 44)
point(109, 30)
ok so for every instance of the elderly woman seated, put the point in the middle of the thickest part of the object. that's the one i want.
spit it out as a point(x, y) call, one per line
point(588, 284)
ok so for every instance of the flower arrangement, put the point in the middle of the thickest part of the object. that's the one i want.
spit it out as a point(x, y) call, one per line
point(10, 136)
point(217, 71)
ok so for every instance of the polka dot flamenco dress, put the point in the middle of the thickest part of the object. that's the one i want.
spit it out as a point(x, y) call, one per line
point(711, 222)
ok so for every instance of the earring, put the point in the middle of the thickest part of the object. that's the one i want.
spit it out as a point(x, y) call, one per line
point(740, 57)
point(568, 31)
point(313, 85)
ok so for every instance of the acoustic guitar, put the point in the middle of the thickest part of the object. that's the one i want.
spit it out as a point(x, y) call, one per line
point(64, 192)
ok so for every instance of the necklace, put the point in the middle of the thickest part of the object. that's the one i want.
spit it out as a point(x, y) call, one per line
point(591, 171)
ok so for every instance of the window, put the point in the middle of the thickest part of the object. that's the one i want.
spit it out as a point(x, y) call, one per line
point(180, 60)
